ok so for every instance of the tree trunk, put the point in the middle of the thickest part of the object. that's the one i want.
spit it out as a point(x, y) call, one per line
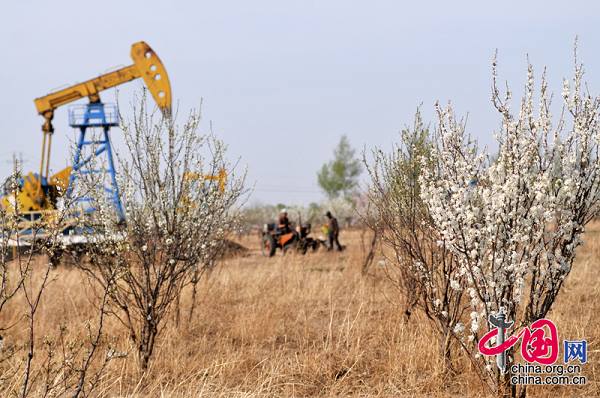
point(505, 389)
point(146, 345)
point(445, 348)
point(195, 280)
point(371, 253)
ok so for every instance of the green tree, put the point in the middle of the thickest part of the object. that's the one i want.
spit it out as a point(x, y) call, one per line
point(339, 177)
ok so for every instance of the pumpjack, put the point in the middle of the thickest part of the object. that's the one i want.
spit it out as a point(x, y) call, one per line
point(37, 193)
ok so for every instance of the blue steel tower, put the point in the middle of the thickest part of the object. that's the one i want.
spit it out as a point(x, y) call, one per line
point(93, 151)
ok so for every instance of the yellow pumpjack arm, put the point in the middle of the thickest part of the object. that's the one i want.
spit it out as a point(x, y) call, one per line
point(221, 178)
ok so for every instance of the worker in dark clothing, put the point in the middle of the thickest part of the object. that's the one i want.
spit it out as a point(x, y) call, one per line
point(284, 222)
point(333, 232)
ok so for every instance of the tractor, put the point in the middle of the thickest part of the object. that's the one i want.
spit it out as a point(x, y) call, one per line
point(273, 238)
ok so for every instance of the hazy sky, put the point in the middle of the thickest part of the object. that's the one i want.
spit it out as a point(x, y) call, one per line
point(281, 81)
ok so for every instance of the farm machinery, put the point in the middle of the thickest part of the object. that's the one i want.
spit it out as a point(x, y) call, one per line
point(273, 237)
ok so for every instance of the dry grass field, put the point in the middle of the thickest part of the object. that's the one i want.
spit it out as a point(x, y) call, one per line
point(294, 326)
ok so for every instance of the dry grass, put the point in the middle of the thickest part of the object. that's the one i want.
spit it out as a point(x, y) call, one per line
point(297, 326)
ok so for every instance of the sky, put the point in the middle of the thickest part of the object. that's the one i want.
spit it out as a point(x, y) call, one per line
point(281, 81)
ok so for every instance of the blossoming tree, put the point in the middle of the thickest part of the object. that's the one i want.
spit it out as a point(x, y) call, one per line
point(176, 221)
point(422, 270)
point(513, 223)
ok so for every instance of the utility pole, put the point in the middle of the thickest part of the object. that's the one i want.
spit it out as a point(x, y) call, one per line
point(17, 161)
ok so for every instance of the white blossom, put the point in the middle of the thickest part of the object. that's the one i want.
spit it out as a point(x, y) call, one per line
point(522, 213)
point(459, 328)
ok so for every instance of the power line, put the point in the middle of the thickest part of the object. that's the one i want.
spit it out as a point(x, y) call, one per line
point(286, 191)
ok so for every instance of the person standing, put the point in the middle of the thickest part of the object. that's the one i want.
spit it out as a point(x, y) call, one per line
point(333, 232)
